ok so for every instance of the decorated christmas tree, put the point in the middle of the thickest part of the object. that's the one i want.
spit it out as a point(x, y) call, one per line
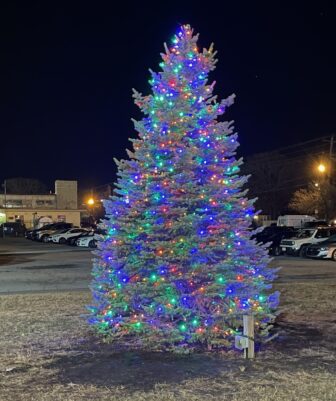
point(177, 267)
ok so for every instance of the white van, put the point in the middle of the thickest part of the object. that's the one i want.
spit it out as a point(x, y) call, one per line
point(294, 220)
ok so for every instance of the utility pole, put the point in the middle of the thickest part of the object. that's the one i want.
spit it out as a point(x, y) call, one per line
point(5, 198)
point(331, 146)
point(329, 178)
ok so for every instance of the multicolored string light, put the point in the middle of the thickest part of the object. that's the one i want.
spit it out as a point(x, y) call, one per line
point(178, 267)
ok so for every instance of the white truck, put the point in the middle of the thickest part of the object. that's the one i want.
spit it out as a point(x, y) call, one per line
point(294, 220)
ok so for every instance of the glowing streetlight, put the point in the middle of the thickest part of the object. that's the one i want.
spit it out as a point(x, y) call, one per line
point(321, 168)
point(90, 201)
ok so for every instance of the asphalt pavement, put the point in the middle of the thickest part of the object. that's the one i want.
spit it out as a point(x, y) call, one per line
point(17, 246)
point(27, 266)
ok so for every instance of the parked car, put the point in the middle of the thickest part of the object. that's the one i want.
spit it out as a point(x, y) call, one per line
point(99, 234)
point(49, 236)
point(317, 223)
point(275, 235)
point(72, 240)
point(62, 236)
point(307, 236)
point(15, 229)
point(42, 233)
point(323, 250)
point(87, 240)
point(29, 234)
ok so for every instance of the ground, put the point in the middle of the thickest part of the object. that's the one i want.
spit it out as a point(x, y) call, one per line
point(48, 353)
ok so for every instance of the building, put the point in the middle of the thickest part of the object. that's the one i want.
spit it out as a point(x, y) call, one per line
point(36, 210)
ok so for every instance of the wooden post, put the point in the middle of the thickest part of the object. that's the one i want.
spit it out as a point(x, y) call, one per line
point(248, 321)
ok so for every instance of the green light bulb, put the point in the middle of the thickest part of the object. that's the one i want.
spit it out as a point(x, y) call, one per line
point(153, 277)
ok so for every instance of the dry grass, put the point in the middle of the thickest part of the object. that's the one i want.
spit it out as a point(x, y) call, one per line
point(50, 355)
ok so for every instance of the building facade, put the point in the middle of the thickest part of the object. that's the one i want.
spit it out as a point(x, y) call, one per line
point(36, 210)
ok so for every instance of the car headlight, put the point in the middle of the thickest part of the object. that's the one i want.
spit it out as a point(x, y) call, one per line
point(323, 249)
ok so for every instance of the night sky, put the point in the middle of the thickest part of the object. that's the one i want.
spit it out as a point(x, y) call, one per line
point(67, 74)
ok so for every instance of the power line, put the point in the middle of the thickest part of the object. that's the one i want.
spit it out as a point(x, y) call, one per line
point(305, 150)
point(299, 144)
point(313, 151)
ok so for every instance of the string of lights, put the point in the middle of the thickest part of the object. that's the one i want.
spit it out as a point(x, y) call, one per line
point(178, 266)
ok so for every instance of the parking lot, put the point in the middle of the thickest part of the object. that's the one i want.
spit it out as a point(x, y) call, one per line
point(20, 245)
point(28, 266)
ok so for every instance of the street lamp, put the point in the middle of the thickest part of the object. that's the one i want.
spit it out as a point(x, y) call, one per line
point(321, 168)
point(91, 204)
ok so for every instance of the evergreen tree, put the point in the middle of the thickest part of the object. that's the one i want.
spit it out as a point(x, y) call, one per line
point(178, 267)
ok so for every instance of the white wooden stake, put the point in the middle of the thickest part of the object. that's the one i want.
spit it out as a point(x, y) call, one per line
point(248, 321)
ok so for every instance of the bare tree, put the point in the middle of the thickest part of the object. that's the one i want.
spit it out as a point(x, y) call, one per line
point(274, 177)
point(306, 201)
point(315, 200)
point(27, 186)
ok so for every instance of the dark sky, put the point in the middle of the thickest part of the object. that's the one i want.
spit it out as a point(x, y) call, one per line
point(67, 73)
